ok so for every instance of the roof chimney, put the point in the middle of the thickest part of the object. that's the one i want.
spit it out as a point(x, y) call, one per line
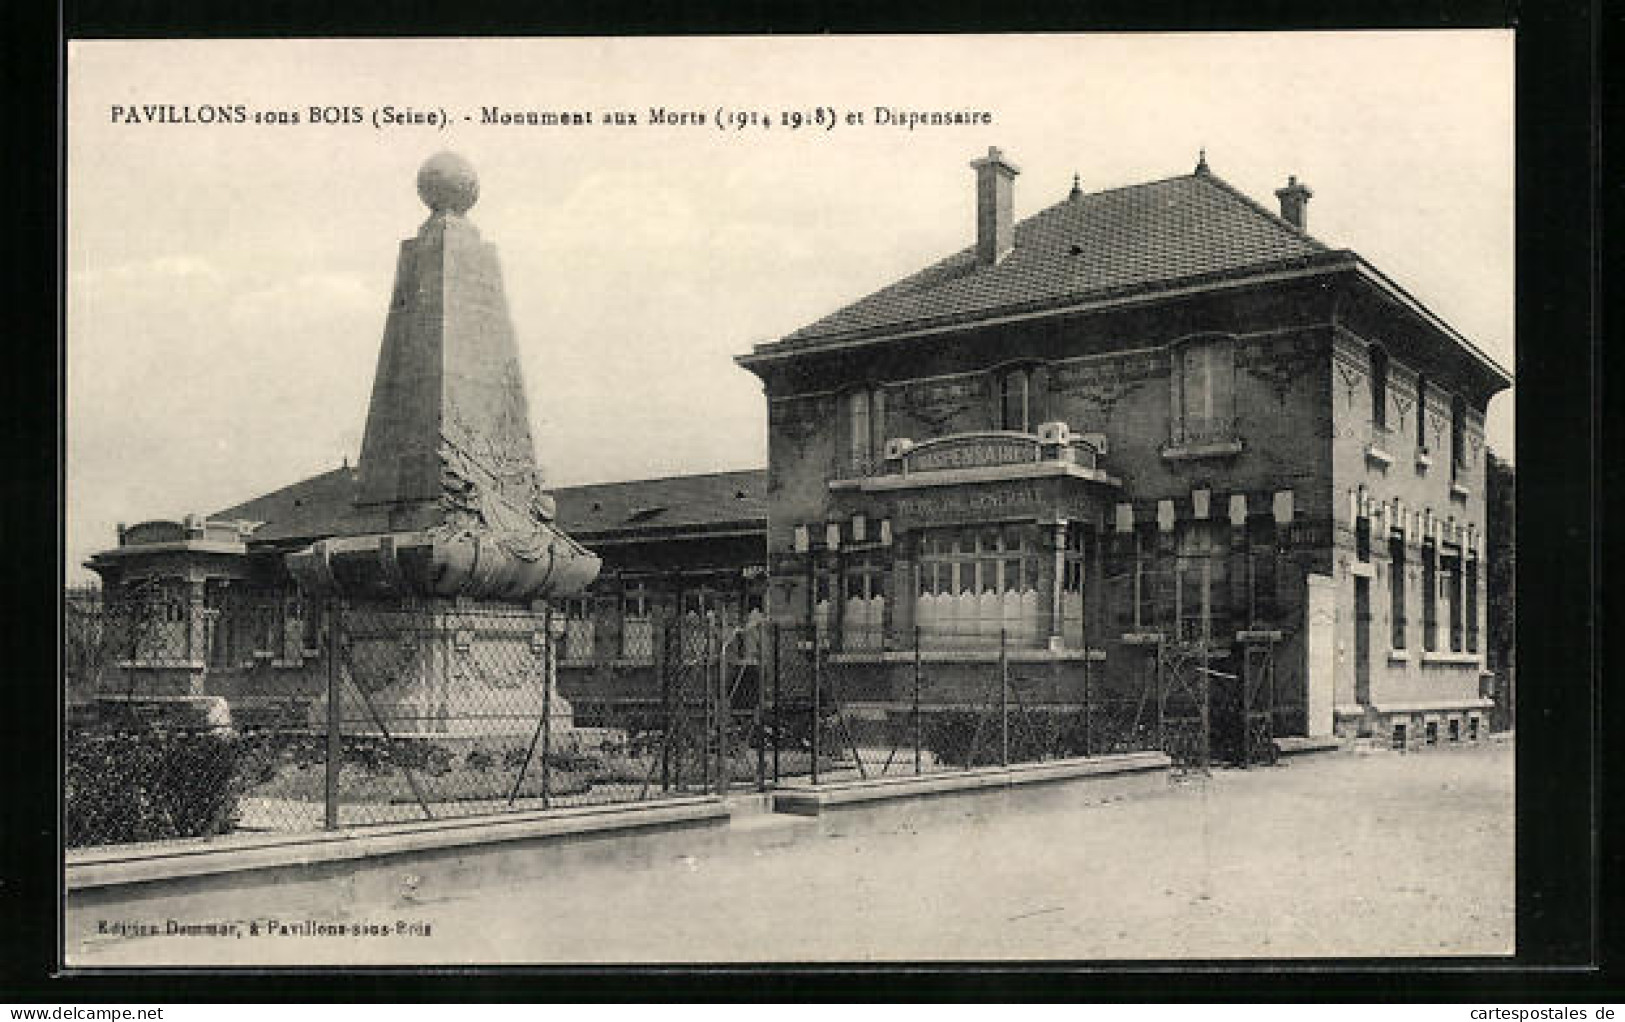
point(1295, 203)
point(995, 219)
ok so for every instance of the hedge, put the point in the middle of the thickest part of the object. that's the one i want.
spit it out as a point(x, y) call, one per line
point(124, 785)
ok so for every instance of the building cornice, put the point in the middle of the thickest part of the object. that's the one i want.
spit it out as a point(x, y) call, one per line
point(1405, 300)
point(1302, 268)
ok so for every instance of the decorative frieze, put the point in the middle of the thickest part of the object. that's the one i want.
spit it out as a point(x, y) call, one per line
point(936, 402)
point(800, 416)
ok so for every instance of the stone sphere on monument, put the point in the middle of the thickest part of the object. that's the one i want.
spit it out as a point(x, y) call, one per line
point(447, 184)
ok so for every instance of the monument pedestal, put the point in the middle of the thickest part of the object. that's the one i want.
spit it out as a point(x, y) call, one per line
point(446, 668)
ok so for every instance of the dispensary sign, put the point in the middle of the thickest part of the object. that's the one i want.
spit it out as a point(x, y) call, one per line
point(971, 452)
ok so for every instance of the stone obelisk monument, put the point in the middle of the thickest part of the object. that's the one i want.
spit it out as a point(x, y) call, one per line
point(449, 514)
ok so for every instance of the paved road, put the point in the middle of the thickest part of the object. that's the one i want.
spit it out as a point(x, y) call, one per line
point(1333, 855)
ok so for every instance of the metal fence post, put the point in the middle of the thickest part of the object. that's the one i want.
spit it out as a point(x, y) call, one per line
point(817, 683)
point(917, 742)
point(1088, 708)
point(720, 699)
point(335, 740)
point(778, 712)
point(548, 676)
point(659, 636)
point(1004, 701)
point(758, 725)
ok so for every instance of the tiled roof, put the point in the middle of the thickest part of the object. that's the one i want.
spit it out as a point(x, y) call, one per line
point(309, 509)
point(693, 501)
point(1124, 239)
point(322, 505)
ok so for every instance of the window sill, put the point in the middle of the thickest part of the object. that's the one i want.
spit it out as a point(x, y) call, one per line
point(1424, 461)
point(1362, 569)
point(1211, 449)
point(1451, 658)
point(1459, 492)
point(157, 664)
point(1399, 656)
point(1378, 456)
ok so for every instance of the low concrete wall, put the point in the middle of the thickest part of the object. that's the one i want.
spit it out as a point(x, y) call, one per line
point(1076, 780)
point(324, 876)
point(390, 869)
point(1298, 745)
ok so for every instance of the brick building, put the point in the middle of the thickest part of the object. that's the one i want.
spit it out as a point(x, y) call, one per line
point(1152, 432)
point(1151, 419)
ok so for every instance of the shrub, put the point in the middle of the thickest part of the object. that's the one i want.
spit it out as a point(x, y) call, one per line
point(125, 784)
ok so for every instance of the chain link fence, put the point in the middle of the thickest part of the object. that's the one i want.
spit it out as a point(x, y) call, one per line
point(368, 713)
point(184, 721)
point(948, 702)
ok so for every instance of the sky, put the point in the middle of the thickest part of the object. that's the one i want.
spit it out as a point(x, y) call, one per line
point(227, 282)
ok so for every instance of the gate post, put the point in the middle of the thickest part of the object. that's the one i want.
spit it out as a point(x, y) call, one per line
point(335, 740)
point(761, 711)
point(917, 699)
point(778, 710)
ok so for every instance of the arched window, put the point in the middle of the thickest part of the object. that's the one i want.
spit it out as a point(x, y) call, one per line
point(1379, 387)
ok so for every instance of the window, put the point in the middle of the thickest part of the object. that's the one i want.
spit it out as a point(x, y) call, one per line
point(1472, 604)
point(293, 627)
point(637, 624)
point(1430, 592)
point(217, 612)
point(579, 630)
point(863, 616)
point(1204, 392)
point(1422, 413)
point(1458, 437)
point(822, 603)
point(1149, 582)
point(1455, 729)
point(1262, 570)
point(1200, 583)
point(1362, 538)
point(1396, 590)
point(977, 582)
point(1450, 586)
point(1015, 400)
point(1379, 388)
point(859, 430)
point(1074, 570)
point(1472, 729)
point(1430, 732)
point(1398, 740)
point(865, 429)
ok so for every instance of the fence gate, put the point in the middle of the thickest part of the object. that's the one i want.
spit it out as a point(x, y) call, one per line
point(1183, 692)
point(1258, 696)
